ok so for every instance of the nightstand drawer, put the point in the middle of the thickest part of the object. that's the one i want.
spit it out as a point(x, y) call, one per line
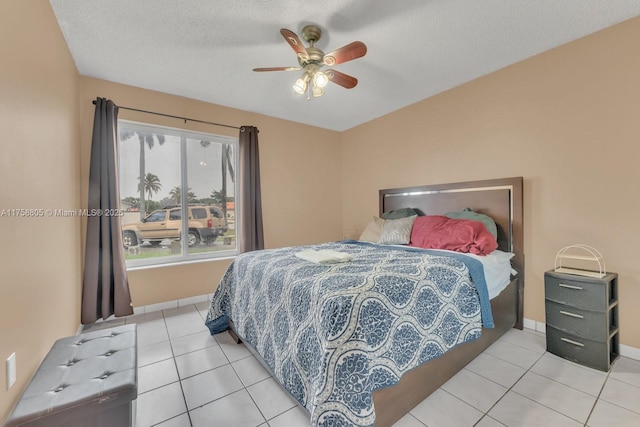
point(588, 324)
point(577, 293)
point(595, 354)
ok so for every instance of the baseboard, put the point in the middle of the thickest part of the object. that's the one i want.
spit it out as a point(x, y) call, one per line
point(630, 352)
point(157, 307)
point(534, 325)
point(625, 350)
point(172, 304)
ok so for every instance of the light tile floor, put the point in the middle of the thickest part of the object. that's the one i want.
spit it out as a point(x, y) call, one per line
point(186, 378)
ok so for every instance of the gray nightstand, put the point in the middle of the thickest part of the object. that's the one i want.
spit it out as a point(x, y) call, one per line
point(582, 318)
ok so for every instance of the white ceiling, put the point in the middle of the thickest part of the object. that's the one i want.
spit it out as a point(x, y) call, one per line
point(206, 49)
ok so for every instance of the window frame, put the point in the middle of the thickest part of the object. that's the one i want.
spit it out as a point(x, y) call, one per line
point(185, 134)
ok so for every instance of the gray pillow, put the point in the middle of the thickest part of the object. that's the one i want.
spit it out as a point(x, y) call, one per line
point(397, 231)
point(399, 213)
point(467, 213)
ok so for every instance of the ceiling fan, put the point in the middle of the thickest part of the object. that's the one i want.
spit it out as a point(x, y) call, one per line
point(312, 60)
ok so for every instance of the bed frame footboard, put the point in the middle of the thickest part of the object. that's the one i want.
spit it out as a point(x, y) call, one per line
point(392, 403)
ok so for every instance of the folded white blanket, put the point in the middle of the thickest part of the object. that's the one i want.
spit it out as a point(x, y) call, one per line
point(323, 256)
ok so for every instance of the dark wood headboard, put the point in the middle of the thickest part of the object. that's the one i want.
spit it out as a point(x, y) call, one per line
point(501, 199)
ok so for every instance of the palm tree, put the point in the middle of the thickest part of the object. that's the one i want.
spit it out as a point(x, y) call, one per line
point(227, 169)
point(217, 198)
point(148, 139)
point(176, 195)
point(151, 184)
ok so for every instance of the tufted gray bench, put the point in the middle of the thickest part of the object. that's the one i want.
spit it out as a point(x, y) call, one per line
point(85, 380)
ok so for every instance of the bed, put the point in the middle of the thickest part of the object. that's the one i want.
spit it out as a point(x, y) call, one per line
point(320, 328)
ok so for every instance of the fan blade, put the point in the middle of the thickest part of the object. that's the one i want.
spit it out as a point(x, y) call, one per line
point(278, 69)
point(294, 42)
point(345, 53)
point(341, 79)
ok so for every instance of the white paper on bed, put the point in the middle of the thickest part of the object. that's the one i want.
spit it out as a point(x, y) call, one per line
point(323, 256)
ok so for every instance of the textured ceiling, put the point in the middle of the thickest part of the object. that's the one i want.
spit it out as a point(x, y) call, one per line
point(206, 49)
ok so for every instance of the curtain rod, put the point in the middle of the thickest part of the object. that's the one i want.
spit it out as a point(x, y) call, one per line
point(175, 117)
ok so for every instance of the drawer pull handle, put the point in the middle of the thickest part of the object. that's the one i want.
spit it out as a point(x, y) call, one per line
point(562, 285)
point(566, 313)
point(579, 344)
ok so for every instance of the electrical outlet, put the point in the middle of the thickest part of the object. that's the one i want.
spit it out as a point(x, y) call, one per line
point(11, 370)
point(350, 234)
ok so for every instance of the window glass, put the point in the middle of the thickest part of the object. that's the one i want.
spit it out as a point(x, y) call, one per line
point(199, 213)
point(211, 176)
point(216, 213)
point(156, 216)
point(170, 160)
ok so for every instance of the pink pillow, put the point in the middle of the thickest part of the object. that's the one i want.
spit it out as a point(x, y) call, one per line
point(460, 235)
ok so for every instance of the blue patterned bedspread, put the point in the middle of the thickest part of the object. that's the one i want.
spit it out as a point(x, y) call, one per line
point(334, 333)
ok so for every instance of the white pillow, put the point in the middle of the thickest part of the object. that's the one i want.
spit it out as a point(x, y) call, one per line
point(397, 231)
point(373, 231)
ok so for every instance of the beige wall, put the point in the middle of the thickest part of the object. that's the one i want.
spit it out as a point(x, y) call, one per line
point(39, 168)
point(565, 120)
point(300, 177)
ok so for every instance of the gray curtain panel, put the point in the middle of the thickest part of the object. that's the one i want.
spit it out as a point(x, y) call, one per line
point(251, 233)
point(105, 287)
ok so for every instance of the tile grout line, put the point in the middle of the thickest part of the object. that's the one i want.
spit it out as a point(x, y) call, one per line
point(486, 414)
point(175, 363)
point(612, 403)
point(570, 386)
point(585, 368)
point(246, 389)
point(414, 417)
point(552, 379)
point(180, 379)
point(551, 409)
point(604, 383)
point(229, 363)
point(173, 357)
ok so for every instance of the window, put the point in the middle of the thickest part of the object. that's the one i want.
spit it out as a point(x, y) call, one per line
point(155, 165)
point(157, 216)
point(216, 213)
point(199, 213)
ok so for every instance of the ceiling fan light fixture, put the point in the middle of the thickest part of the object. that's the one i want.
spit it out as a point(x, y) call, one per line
point(300, 86)
point(317, 91)
point(320, 79)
